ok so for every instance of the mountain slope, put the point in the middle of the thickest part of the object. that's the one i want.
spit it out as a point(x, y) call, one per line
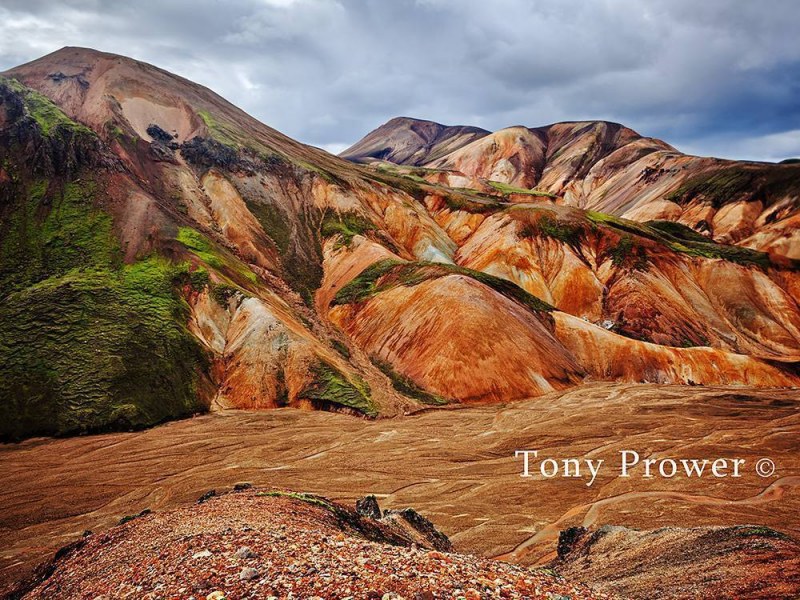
point(411, 141)
point(174, 255)
point(609, 168)
point(266, 544)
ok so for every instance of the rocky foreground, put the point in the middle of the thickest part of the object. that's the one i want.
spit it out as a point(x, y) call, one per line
point(268, 544)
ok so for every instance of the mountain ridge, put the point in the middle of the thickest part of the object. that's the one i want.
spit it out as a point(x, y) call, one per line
point(583, 162)
point(264, 273)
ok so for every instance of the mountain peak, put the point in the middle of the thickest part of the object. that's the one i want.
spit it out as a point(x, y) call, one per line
point(406, 140)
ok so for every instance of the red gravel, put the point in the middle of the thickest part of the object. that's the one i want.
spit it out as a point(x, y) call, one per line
point(250, 545)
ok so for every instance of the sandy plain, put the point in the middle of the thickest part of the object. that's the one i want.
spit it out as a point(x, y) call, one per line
point(455, 466)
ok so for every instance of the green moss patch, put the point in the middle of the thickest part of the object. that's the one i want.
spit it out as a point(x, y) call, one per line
point(274, 222)
point(507, 189)
point(87, 343)
point(405, 385)
point(758, 531)
point(679, 231)
point(735, 254)
point(341, 348)
point(388, 273)
point(630, 254)
point(297, 240)
point(768, 183)
point(92, 350)
point(329, 386)
point(347, 225)
point(48, 233)
point(678, 239)
point(214, 256)
point(46, 114)
point(568, 232)
point(471, 202)
point(219, 131)
point(302, 497)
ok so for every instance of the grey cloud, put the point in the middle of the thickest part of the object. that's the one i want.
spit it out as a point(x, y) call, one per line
point(713, 77)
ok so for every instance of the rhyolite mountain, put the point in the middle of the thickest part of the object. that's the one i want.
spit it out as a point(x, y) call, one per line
point(411, 141)
point(163, 253)
point(608, 168)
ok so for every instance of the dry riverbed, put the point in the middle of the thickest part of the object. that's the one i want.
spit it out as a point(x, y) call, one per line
point(456, 467)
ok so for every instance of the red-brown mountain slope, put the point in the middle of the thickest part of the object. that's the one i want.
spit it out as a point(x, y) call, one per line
point(173, 255)
point(609, 168)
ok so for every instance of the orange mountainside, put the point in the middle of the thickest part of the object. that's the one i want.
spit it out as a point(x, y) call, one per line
point(164, 253)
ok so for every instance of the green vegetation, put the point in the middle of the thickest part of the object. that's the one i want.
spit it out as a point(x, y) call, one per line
point(301, 496)
point(735, 254)
point(219, 131)
point(86, 342)
point(405, 385)
point(331, 386)
point(416, 174)
point(298, 244)
point(628, 253)
point(618, 223)
point(717, 186)
point(312, 168)
point(222, 292)
point(678, 231)
point(416, 186)
point(213, 256)
point(468, 202)
point(129, 518)
point(345, 224)
point(740, 182)
point(46, 114)
point(508, 289)
point(40, 241)
point(198, 279)
point(507, 189)
point(754, 530)
point(274, 222)
point(366, 284)
point(388, 273)
point(341, 348)
point(678, 239)
point(200, 247)
point(238, 144)
point(564, 231)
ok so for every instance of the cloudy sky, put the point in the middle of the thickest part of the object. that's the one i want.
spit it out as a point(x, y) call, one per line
point(712, 77)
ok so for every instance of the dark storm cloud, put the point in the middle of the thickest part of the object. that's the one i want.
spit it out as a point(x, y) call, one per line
point(712, 77)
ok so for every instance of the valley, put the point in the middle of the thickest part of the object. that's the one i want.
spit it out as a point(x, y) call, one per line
point(455, 466)
point(190, 299)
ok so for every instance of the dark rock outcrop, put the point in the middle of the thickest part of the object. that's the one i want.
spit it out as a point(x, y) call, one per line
point(158, 134)
point(368, 507)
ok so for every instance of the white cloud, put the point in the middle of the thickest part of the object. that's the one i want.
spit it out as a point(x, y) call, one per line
point(774, 147)
point(717, 76)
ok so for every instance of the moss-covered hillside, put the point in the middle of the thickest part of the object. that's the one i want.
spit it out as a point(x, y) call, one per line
point(87, 343)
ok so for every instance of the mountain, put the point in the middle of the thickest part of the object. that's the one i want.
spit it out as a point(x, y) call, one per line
point(609, 168)
point(411, 142)
point(163, 253)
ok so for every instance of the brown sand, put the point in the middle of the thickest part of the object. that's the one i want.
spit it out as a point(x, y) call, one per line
point(456, 467)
